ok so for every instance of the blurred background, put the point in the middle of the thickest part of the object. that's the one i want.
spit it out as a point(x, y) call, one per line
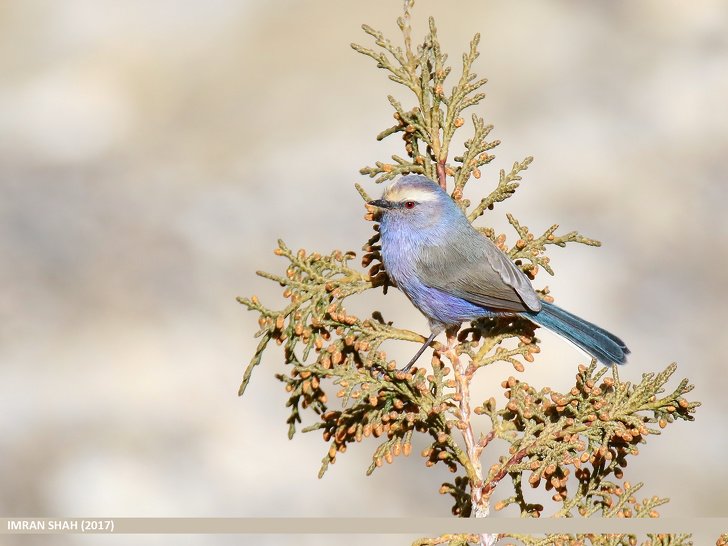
point(152, 152)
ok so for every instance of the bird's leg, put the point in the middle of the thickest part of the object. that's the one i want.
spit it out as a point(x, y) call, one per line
point(419, 352)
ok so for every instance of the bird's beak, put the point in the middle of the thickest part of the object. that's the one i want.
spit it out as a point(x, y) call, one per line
point(380, 203)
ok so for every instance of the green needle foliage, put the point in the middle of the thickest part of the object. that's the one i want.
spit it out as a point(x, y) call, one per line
point(574, 445)
point(563, 540)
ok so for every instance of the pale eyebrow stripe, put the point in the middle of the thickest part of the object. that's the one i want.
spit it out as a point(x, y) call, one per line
point(397, 194)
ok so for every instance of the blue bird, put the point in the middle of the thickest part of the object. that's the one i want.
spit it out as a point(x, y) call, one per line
point(452, 273)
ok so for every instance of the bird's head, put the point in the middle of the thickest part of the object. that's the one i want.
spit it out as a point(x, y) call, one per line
point(415, 200)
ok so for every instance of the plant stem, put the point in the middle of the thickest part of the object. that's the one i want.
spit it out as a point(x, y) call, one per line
point(441, 174)
point(480, 504)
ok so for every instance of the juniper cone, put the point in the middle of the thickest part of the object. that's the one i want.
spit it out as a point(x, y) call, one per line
point(453, 274)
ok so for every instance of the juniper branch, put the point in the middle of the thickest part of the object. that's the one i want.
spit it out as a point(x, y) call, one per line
point(507, 183)
point(575, 444)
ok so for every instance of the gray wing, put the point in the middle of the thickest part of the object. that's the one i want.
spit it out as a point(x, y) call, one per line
point(474, 269)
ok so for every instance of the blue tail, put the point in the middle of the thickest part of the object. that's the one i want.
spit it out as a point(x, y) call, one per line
point(605, 347)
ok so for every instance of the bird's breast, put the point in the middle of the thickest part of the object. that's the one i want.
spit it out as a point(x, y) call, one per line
point(400, 248)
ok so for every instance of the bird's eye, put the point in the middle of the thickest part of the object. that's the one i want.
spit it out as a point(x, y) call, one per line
point(409, 204)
